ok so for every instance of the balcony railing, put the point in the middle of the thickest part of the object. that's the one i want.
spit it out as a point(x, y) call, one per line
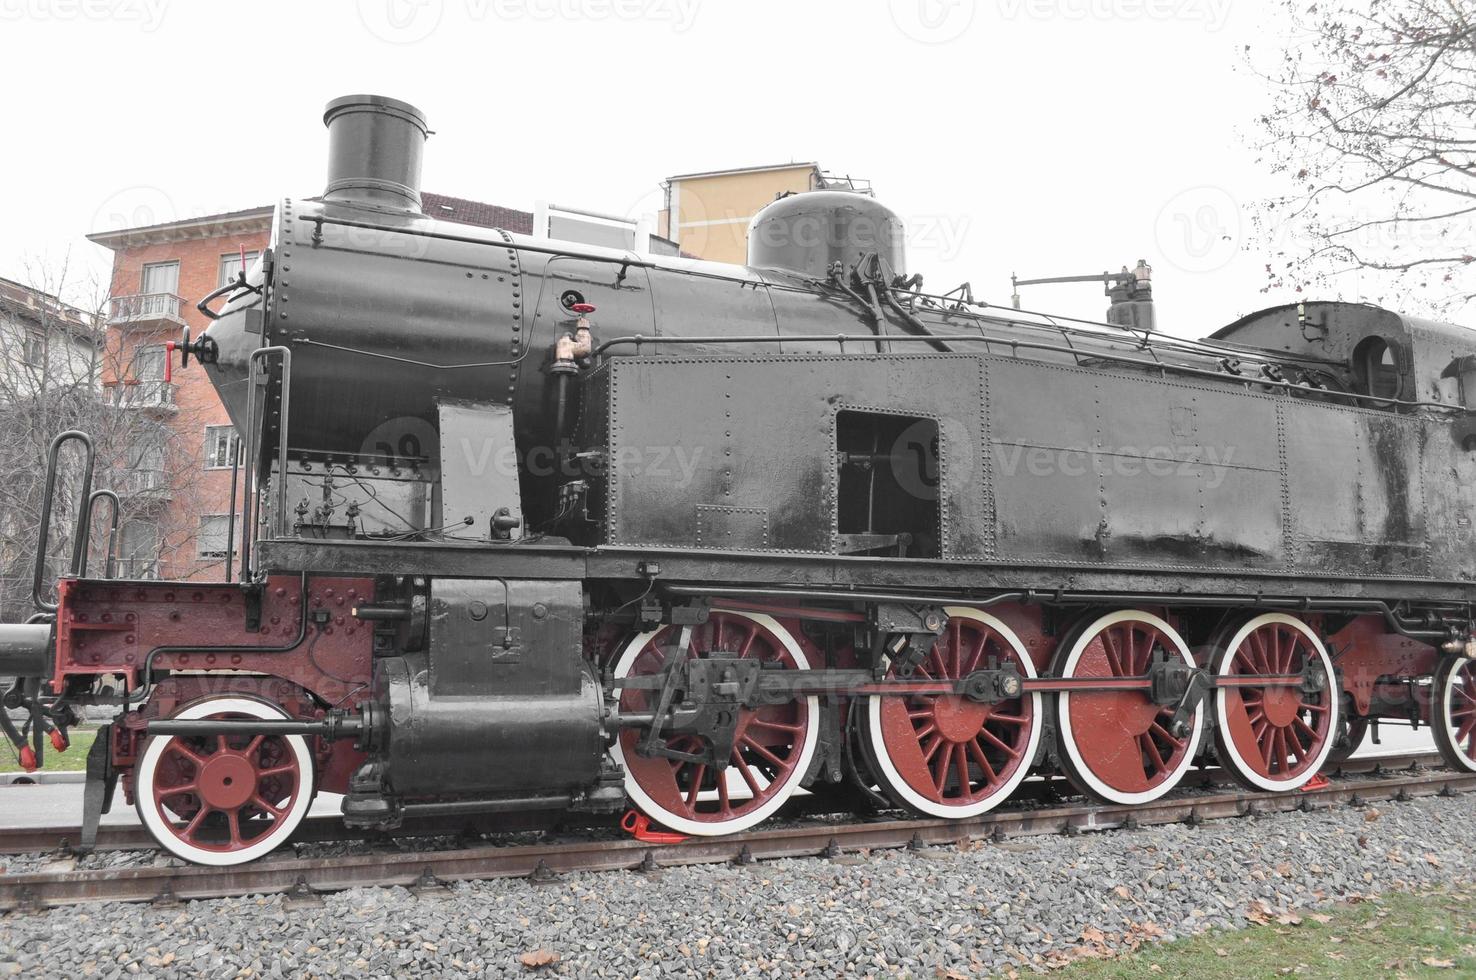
point(135, 568)
point(145, 483)
point(142, 394)
point(146, 309)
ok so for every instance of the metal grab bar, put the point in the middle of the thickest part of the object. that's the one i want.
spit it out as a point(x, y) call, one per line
point(92, 500)
point(84, 514)
point(250, 492)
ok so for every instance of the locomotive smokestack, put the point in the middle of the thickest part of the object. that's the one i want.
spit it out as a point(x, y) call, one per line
point(374, 149)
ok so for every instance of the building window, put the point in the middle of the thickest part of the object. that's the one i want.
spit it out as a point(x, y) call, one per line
point(138, 550)
point(210, 542)
point(146, 461)
point(160, 277)
point(35, 348)
point(148, 363)
point(230, 265)
point(219, 443)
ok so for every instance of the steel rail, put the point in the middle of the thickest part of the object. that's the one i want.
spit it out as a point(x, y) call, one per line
point(324, 828)
point(306, 879)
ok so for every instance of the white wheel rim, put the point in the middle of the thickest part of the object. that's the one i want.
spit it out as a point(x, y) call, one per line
point(1063, 712)
point(1227, 744)
point(160, 826)
point(894, 779)
point(1447, 715)
point(706, 828)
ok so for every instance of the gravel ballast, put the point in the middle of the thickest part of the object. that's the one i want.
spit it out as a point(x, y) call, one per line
point(1032, 902)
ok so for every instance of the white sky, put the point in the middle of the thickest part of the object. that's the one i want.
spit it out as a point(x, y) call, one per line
point(1047, 138)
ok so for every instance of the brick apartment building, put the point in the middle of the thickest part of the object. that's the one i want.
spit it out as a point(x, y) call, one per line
point(178, 493)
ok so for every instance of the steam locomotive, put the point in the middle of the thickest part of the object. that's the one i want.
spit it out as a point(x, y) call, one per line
point(538, 526)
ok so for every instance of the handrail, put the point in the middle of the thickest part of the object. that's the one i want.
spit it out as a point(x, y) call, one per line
point(636, 340)
point(84, 514)
point(92, 499)
point(250, 494)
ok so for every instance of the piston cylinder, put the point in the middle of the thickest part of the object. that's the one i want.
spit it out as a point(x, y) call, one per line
point(25, 649)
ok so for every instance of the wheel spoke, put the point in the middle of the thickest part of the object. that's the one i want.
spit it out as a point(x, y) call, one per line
point(1114, 656)
point(939, 767)
point(977, 751)
point(194, 824)
point(976, 653)
point(763, 751)
point(961, 766)
point(179, 747)
point(747, 773)
point(1166, 735)
point(698, 775)
point(1310, 732)
point(1151, 749)
point(725, 805)
point(1003, 746)
point(273, 810)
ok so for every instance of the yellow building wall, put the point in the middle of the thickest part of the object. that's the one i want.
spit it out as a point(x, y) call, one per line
point(712, 212)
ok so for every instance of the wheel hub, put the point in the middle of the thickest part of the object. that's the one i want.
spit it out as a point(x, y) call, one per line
point(1281, 705)
point(227, 781)
point(958, 718)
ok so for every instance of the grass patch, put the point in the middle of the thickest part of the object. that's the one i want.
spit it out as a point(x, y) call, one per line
point(1407, 935)
point(74, 759)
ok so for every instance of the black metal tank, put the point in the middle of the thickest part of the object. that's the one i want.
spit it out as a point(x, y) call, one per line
point(387, 311)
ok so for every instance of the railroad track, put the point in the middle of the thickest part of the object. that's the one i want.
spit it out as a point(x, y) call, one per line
point(305, 880)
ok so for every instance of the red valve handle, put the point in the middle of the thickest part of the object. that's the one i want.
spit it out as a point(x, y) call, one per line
point(583, 308)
